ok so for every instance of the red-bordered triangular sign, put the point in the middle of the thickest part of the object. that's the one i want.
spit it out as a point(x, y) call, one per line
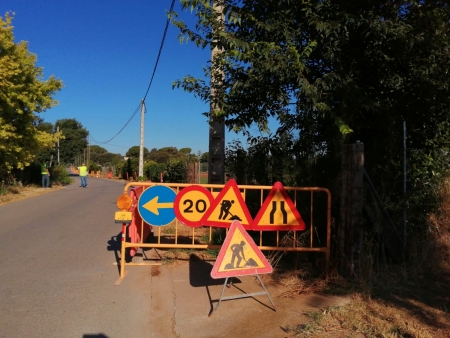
point(239, 255)
point(278, 212)
point(227, 207)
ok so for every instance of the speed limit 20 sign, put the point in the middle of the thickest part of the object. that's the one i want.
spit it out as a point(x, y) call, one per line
point(191, 203)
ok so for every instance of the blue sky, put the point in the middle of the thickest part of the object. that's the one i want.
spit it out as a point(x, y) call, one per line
point(104, 51)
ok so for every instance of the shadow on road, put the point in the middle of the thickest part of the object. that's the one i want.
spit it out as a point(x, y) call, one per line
point(115, 244)
point(200, 275)
point(100, 335)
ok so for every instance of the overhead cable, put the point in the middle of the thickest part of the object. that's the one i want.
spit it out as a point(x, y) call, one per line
point(114, 145)
point(151, 79)
point(112, 138)
point(160, 50)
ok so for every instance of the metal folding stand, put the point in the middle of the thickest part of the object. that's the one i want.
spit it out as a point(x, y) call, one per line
point(243, 295)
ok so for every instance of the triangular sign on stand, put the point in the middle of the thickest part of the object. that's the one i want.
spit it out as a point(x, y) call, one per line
point(239, 255)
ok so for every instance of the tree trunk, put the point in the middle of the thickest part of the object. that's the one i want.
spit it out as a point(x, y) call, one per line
point(350, 233)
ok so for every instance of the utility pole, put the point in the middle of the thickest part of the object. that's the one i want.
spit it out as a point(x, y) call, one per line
point(404, 186)
point(88, 151)
point(216, 158)
point(57, 130)
point(141, 146)
point(199, 154)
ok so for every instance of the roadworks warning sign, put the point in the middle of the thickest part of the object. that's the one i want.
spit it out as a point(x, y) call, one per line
point(239, 255)
point(278, 212)
point(228, 206)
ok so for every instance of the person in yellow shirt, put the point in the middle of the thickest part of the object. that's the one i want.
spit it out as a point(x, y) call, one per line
point(45, 174)
point(83, 172)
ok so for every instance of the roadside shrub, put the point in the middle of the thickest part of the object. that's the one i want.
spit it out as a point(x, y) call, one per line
point(3, 189)
point(59, 175)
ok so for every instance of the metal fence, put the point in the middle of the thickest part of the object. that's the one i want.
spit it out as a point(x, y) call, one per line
point(313, 203)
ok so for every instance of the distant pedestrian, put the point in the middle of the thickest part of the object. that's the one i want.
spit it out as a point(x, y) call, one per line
point(83, 175)
point(45, 174)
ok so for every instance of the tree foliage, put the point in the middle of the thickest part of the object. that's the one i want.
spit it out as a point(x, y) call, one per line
point(175, 171)
point(204, 157)
point(169, 162)
point(103, 157)
point(163, 155)
point(75, 140)
point(23, 95)
point(134, 152)
point(153, 170)
point(331, 72)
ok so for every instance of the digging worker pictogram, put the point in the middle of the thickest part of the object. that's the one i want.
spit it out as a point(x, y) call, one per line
point(238, 253)
point(225, 209)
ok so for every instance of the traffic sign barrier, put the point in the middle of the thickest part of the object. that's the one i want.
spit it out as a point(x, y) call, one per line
point(177, 237)
point(156, 205)
point(228, 206)
point(191, 203)
point(278, 212)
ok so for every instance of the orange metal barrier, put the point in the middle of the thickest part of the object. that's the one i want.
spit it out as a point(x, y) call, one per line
point(139, 230)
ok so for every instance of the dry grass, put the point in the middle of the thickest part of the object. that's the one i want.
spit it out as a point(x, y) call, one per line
point(372, 318)
point(407, 300)
point(14, 193)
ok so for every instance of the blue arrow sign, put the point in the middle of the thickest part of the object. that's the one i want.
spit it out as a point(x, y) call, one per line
point(155, 205)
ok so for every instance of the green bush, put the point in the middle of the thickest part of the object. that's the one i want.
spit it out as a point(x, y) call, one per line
point(59, 175)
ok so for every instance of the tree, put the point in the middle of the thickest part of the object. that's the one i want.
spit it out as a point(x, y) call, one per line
point(75, 140)
point(333, 72)
point(47, 152)
point(176, 171)
point(96, 153)
point(110, 159)
point(23, 95)
point(164, 154)
point(204, 157)
point(153, 170)
point(186, 151)
point(95, 149)
point(134, 152)
point(101, 156)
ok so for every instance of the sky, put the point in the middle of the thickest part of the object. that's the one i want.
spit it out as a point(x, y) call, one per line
point(104, 51)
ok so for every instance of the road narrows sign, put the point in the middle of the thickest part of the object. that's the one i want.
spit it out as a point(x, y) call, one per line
point(278, 212)
point(155, 205)
point(228, 206)
point(191, 203)
point(239, 255)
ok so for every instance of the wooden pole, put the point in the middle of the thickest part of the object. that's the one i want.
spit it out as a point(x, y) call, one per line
point(216, 158)
point(350, 236)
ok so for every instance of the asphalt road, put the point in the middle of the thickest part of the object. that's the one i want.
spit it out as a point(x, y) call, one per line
point(57, 278)
point(57, 274)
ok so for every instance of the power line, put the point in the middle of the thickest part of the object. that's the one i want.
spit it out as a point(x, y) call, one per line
point(151, 80)
point(160, 50)
point(112, 138)
point(114, 145)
